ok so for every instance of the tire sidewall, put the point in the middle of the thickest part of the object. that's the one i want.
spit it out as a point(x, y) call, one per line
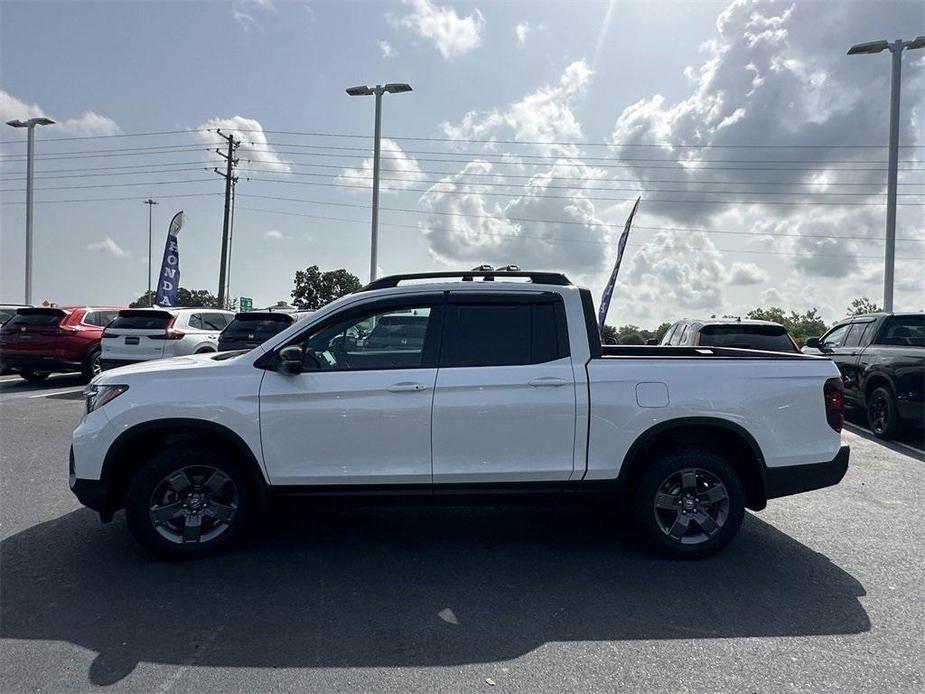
point(661, 468)
point(152, 473)
point(33, 376)
point(892, 420)
point(87, 370)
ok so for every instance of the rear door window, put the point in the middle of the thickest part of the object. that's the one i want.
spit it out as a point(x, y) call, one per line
point(214, 321)
point(503, 334)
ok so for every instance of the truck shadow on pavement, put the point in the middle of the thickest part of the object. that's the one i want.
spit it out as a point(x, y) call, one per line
point(361, 587)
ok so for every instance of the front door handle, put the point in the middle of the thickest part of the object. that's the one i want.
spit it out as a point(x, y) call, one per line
point(406, 387)
point(548, 382)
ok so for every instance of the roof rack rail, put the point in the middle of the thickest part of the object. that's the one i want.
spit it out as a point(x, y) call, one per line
point(389, 281)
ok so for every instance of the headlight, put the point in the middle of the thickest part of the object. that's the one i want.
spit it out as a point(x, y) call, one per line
point(97, 396)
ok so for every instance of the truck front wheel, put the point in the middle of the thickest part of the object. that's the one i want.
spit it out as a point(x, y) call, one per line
point(689, 503)
point(188, 501)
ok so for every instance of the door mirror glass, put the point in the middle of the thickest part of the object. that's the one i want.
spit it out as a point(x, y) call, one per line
point(813, 343)
point(290, 359)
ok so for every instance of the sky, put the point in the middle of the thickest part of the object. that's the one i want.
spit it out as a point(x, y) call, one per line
point(756, 144)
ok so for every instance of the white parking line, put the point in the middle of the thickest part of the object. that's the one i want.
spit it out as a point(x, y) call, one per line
point(892, 443)
point(57, 392)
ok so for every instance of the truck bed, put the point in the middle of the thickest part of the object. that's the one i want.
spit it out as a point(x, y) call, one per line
point(659, 352)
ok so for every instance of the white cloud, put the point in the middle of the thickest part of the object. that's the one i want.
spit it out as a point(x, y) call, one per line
point(397, 170)
point(87, 123)
point(746, 273)
point(108, 246)
point(451, 34)
point(254, 152)
point(386, 49)
point(545, 115)
point(274, 235)
point(521, 31)
point(245, 12)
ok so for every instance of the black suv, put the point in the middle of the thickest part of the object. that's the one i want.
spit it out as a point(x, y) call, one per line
point(881, 357)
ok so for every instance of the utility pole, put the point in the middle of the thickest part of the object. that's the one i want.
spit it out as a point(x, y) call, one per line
point(230, 163)
point(896, 48)
point(234, 182)
point(150, 203)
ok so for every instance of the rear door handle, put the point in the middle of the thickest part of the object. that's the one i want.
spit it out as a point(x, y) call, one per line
point(406, 387)
point(548, 382)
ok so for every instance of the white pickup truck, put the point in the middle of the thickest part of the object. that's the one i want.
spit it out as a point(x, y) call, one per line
point(428, 387)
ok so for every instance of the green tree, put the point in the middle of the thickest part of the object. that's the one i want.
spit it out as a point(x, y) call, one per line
point(609, 335)
point(313, 288)
point(631, 335)
point(861, 306)
point(800, 325)
point(661, 330)
point(191, 298)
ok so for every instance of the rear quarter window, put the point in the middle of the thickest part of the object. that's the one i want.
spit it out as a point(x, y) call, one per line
point(903, 331)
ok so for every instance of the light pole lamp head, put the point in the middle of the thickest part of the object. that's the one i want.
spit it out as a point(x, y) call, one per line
point(397, 87)
point(32, 122)
point(361, 90)
point(869, 47)
point(917, 42)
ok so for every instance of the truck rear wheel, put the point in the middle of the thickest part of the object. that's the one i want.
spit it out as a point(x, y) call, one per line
point(689, 503)
point(190, 500)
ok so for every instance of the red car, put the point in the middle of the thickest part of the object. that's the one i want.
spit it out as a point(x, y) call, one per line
point(38, 341)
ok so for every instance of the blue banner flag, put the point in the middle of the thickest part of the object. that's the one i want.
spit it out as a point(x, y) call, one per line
point(608, 290)
point(168, 281)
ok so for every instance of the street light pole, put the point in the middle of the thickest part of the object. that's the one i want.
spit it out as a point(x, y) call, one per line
point(896, 48)
point(30, 156)
point(150, 203)
point(377, 91)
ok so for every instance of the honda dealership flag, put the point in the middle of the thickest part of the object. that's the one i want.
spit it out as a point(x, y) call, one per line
point(608, 291)
point(168, 281)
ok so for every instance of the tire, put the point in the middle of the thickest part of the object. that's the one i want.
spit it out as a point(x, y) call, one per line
point(33, 376)
point(682, 489)
point(91, 366)
point(883, 414)
point(190, 500)
point(204, 350)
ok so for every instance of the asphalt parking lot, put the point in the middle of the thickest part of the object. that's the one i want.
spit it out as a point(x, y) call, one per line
point(820, 592)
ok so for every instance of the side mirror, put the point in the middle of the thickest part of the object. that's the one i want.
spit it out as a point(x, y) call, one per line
point(290, 359)
point(652, 341)
point(812, 343)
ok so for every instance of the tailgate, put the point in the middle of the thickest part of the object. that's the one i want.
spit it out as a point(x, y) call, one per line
point(137, 335)
point(32, 331)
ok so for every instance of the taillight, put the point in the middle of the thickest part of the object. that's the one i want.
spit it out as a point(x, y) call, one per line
point(67, 330)
point(833, 392)
point(106, 335)
point(169, 334)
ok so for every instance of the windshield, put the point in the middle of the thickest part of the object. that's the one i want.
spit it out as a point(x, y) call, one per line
point(37, 318)
point(256, 328)
point(142, 320)
point(770, 338)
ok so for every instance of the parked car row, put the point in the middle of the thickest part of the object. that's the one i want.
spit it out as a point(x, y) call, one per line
point(38, 341)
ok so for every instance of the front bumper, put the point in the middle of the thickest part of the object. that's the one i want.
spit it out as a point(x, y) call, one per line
point(91, 493)
point(793, 479)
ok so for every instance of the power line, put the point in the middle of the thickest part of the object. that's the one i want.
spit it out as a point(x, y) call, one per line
point(570, 240)
point(115, 185)
point(471, 174)
point(597, 199)
point(458, 214)
point(688, 230)
point(130, 197)
point(109, 137)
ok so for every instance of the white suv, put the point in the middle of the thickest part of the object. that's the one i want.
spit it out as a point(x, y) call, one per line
point(142, 334)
